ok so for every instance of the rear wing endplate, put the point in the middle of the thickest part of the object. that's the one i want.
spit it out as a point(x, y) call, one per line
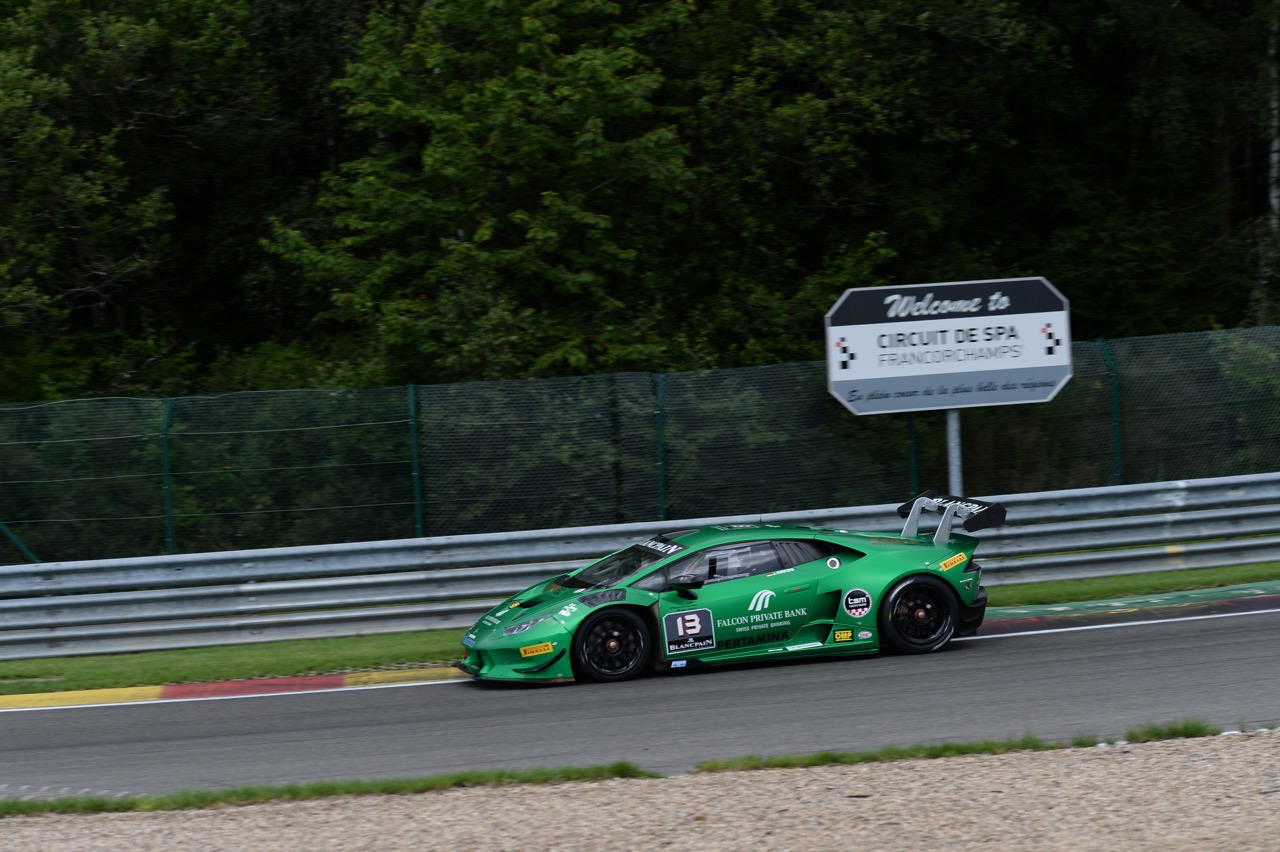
point(974, 514)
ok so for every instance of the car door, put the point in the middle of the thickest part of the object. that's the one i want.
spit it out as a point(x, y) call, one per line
point(746, 601)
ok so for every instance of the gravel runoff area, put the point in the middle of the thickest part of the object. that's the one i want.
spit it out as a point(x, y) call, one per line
point(1209, 793)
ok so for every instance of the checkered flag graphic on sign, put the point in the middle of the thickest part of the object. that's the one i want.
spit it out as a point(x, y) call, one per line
point(847, 357)
point(1052, 341)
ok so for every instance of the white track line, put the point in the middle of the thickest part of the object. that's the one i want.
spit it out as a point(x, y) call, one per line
point(1117, 624)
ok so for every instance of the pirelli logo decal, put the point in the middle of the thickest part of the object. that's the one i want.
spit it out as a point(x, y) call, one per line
point(535, 650)
point(952, 561)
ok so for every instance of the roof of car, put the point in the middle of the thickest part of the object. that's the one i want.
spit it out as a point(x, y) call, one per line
point(698, 537)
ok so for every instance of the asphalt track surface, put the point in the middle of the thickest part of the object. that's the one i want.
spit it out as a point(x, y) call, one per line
point(1098, 680)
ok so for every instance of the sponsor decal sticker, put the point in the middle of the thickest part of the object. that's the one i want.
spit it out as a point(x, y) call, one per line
point(689, 631)
point(762, 620)
point(864, 634)
point(678, 664)
point(783, 571)
point(952, 561)
point(469, 640)
point(833, 563)
point(751, 641)
point(535, 650)
point(806, 646)
point(842, 636)
point(761, 601)
point(666, 548)
point(568, 610)
point(727, 527)
point(857, 602)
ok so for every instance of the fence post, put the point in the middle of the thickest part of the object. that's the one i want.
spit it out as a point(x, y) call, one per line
point(659, 434)
point(415, 461)
point(1117, 448)
point(17, 542)
point(170, 537)
point(615, 436)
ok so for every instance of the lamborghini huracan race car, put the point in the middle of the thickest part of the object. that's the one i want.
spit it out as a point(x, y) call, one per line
point(739, 592)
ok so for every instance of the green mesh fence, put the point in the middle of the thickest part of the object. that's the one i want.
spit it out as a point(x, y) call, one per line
point(131, 477)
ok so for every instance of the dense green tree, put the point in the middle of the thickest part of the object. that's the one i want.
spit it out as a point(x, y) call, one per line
point(508, 216)
point(142, 147)
point(552, 187)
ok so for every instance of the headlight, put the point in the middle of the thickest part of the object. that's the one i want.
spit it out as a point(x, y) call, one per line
point(522, 626)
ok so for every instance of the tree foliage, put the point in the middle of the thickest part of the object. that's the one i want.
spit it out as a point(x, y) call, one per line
point(241, 194)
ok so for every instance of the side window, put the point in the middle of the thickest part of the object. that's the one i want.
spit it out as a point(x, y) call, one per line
point(717, 565)
point(741, 560)
point(690, 569)
point(795, 553)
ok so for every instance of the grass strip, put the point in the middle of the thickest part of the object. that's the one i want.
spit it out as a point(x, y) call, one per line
point(1130, 585)
point(1146, 733)
point(292, 658)
point(188, 799)
point(831, 758)
point(1151, 732)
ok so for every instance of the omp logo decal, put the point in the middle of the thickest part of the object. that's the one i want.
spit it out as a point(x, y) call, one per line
point(843, 636)
point(761, 601)
point(535, 650)
point(952, 561)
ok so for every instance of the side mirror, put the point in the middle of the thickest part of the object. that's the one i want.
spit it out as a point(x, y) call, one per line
point(684, 586)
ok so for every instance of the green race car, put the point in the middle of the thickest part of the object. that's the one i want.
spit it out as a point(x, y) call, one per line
point(738, 592)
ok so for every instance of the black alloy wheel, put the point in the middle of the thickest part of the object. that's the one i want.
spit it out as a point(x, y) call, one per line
point(611, 645)
point(919, 615)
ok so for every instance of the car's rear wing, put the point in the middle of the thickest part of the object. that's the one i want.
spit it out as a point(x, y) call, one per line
point(974, 514)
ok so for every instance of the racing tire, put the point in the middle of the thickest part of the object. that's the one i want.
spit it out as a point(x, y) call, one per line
point(611, 645)
point(919, 615)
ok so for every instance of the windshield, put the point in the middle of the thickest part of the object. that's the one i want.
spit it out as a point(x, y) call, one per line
point(622, 565)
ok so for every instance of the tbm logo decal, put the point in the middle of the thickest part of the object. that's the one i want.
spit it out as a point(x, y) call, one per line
point(761, 601)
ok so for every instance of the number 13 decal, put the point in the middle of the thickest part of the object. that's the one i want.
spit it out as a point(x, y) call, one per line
point(689, 624)
point(692, 630)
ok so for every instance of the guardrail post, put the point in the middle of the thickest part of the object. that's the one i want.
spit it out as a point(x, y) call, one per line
point(415, 462)
point(1117, 447)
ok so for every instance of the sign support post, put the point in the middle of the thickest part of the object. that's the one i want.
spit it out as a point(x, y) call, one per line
point(955, 463)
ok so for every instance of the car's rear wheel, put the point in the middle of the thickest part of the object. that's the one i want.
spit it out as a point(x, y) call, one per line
point(918, 615)
point(611, 645)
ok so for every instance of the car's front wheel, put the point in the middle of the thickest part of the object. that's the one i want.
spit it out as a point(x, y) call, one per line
point(611, 645)
point(918, 615)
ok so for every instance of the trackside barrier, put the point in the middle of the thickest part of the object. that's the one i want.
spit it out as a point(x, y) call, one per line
point(118, 605)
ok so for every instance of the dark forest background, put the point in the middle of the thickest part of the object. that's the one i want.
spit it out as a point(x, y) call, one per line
point(214, 195)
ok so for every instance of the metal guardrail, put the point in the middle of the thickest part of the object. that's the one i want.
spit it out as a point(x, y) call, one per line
point(118, 605)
